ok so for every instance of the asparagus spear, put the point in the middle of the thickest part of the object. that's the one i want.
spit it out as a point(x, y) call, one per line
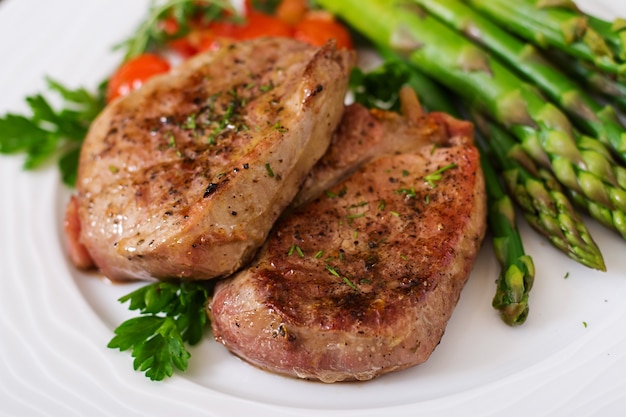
point(580, 163)
point(596, 81)
point(613, 32)
point(598, 121)
point(540, 196)
point(564, 29)
point(517, 271)
point(613, 219)
point(610, 32)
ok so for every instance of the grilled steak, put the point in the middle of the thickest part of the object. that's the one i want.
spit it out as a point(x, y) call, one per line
point(362, 281)
point(186, 176)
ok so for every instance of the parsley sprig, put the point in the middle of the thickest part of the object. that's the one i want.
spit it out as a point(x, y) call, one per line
point(379, 87)
point(172, 314)
point(434, 177)
point(49, 132)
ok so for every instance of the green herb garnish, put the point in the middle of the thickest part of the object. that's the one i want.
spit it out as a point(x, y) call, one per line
point(190, 122)
point(297, 249)
point(267, 87)
point(332, 270)
point(350, 283)
point(408, 192)
point(434, 177)
point(49, 133)
point(172, 314)
point(280, 128)
point(341, 193)
point(379, 87)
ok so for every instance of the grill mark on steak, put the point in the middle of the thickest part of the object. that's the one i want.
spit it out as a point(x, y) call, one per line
point(396, 253)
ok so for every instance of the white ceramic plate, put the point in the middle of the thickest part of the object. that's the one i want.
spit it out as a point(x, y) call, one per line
point(569, 359)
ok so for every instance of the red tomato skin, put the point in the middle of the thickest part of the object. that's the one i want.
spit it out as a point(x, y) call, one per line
point(256, 25)
point(133, 73)
point(208, 39)
point(317, 31)
point(183, 47)
point(261, 24)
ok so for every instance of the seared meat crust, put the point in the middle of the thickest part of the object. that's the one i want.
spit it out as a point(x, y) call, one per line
point(186, 176)
point(363, 280)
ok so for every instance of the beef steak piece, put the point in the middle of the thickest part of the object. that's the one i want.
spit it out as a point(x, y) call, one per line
point(185, 176)
point(362, 280)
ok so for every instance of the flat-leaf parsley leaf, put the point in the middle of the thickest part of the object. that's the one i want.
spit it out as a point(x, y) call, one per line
point(48, 132)
point(172, 314)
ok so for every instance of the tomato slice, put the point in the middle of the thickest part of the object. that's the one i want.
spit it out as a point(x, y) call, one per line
point(133, 73)
point(317, 31)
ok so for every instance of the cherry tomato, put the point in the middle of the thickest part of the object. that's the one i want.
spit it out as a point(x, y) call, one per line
point(183, 47)
point(316, 31)
point(261, 24)
point(133, 73)
point(256, 25)
point(208, 39)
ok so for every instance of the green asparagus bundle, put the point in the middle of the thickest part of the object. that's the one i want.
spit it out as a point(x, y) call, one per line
point(549, 23)
point(582, 164)
point(598, 121)
point(546, 208)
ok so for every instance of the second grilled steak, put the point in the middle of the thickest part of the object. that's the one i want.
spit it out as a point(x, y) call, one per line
point(362, 280)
